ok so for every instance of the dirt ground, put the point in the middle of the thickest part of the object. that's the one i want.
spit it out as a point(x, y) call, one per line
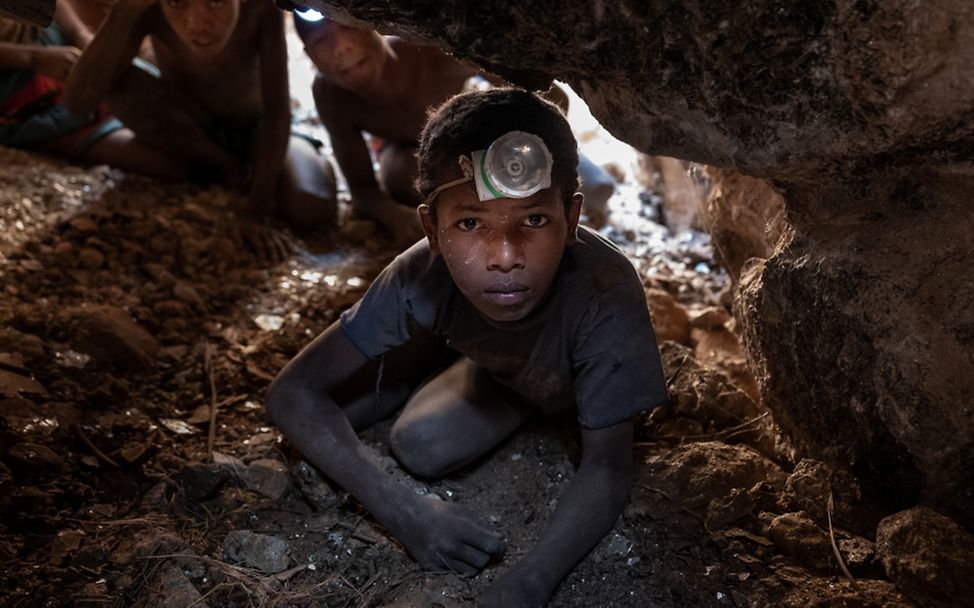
point(137, 466)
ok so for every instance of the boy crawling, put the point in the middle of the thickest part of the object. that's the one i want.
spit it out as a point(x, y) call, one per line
point(219, 99)
point(507, 309)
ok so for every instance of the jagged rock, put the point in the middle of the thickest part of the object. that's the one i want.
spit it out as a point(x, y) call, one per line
point(202, 481)
point(808, 488)
point(693, 475)
point(169, 589)
point(928, 556)
point(712, 317)
point(747, 218)
point(109, 333)
point(316, 490)
point(32, 459)
point(670, 319)
point(266, 553)
point(875, 369)
point(798, 537)
point(727, 509)
point(267, 477)
point(706, 396)
point(28, 345)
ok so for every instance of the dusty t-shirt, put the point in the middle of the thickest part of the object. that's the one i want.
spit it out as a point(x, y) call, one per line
point(590, 346)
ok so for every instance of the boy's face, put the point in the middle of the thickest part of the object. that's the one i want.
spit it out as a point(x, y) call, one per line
point(502, 254)
point(204, 26)
point(349, 57)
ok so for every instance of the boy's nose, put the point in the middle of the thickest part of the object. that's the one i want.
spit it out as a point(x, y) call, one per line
point(197, 21)
point(504, 251)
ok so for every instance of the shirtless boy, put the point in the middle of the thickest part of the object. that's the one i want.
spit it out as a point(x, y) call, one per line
point(506, 310)
point(220, 100)
point(384, 86)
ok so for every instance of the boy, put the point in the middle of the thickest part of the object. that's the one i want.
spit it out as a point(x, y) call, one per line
point(220, 100)
point(504, 311)
point(34, 63)
point(382, 85)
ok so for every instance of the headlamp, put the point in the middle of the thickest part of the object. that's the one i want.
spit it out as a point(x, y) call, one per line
point(515, 165)
point(308, 14)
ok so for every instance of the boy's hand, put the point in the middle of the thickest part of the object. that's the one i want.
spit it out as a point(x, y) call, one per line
point(443, 536)
point(516, 588)
point(55, 61)
point(268, 243)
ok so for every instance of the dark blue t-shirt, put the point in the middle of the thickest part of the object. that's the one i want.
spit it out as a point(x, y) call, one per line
point(590, 346)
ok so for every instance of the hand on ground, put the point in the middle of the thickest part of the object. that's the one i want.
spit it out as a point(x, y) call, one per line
point(55, 61)
point(270, 244)
point(444, 536)
point(516, 588)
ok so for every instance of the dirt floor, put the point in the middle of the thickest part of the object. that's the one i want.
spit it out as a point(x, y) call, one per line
point(137, 466)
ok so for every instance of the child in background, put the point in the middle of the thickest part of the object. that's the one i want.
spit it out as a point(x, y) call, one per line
point(505, 311)
point(385, 86)
point(34, 64)
point(219, 99)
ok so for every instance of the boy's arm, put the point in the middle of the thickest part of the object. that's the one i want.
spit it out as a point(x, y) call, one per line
point(275, 124)
point(586, 512)
point(73, 27)
point(436, 533)
point(354, 159)
point(108, 54)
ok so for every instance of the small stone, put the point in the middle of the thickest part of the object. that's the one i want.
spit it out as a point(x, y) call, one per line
point(109, 332)
point(171, 589)
point(712, 317)
point(797, 536)
point(90, 258)
point(267, 477)
point(670, 319)
point(266, 553)
point(30, 459)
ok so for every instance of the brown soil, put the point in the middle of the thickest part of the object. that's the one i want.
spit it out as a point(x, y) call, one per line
point(128, 312)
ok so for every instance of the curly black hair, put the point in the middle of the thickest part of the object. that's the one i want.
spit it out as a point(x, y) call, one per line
point(472, 121)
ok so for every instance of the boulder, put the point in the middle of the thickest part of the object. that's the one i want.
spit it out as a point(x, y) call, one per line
point(928, 556)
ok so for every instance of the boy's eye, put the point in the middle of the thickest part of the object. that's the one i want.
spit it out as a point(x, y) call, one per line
point(535, 221)
point(468, 224)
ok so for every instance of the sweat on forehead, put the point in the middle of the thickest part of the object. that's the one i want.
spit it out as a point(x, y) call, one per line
point(472, 121)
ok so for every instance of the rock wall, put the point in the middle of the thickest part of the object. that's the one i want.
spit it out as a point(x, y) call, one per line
point(860, 114)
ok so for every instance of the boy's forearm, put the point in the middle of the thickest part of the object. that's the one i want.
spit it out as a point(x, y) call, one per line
point(16, 56)
point(104, 59)
point(317, 427)
point(72, 25)
point(586, 512)
point(275, 124)
point(272, 149)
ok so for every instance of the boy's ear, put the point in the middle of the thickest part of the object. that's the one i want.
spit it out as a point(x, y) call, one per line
point(428, 220)
point(574, 211)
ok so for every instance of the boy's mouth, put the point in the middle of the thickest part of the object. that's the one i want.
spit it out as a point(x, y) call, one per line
point(507, 294)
